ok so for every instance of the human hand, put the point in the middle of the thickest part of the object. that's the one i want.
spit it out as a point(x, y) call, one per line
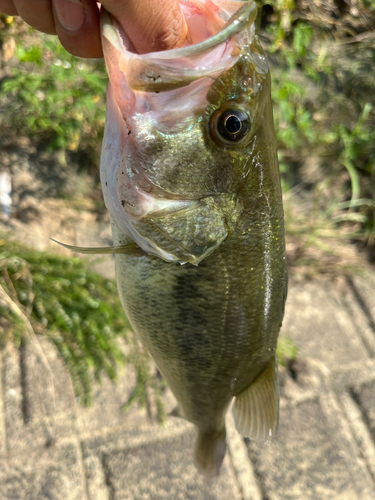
point(151, 25)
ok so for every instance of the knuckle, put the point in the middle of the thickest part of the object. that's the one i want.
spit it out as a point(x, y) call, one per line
point(170, 35)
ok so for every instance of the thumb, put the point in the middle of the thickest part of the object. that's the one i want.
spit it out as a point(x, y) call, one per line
point(151, 25)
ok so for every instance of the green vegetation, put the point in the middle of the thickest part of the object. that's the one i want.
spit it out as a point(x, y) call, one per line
point(323, 64)
point(286, 350)
point(50, 94)
point(78, 310)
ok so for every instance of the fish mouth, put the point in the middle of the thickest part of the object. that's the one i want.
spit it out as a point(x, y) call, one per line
point(163, 219)
point(171, 69)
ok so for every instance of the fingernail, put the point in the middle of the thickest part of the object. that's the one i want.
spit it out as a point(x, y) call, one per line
point(70, 14)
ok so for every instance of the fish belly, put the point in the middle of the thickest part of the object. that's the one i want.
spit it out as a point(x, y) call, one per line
point(211, 329)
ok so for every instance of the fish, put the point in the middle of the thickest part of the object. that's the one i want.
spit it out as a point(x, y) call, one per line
point(190, 177)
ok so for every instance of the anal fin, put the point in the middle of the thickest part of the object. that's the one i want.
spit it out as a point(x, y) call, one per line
point(256, 409)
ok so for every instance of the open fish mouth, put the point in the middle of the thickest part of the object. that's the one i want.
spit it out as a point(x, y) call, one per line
point(171, 69)
point(158, 100)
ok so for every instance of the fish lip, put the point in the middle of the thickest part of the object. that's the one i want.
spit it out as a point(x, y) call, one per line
point(242, 19)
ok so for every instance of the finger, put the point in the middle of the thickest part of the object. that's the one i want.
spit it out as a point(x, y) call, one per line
point(77, 26)
point(37, 14)
point(7, 7)
point(151, 25)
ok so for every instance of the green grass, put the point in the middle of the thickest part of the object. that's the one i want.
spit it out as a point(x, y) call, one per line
point(51, 95)
point(323, 78)
point(63, 300)
point(286, 351)
point(80, 312)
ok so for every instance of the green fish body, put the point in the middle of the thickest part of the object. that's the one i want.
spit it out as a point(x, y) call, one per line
point(190, 177)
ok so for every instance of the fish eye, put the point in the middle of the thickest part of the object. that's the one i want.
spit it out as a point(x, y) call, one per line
point(230, 125)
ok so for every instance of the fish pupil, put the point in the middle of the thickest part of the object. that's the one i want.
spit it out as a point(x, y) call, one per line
point(233, 124)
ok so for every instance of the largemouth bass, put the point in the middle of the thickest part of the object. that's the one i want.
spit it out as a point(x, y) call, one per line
point(190, 177)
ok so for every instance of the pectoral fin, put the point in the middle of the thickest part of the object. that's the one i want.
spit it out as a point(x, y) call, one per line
point(256, 409)
point(130, 249)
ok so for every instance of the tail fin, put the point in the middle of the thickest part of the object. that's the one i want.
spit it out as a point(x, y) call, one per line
point(209, 452)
